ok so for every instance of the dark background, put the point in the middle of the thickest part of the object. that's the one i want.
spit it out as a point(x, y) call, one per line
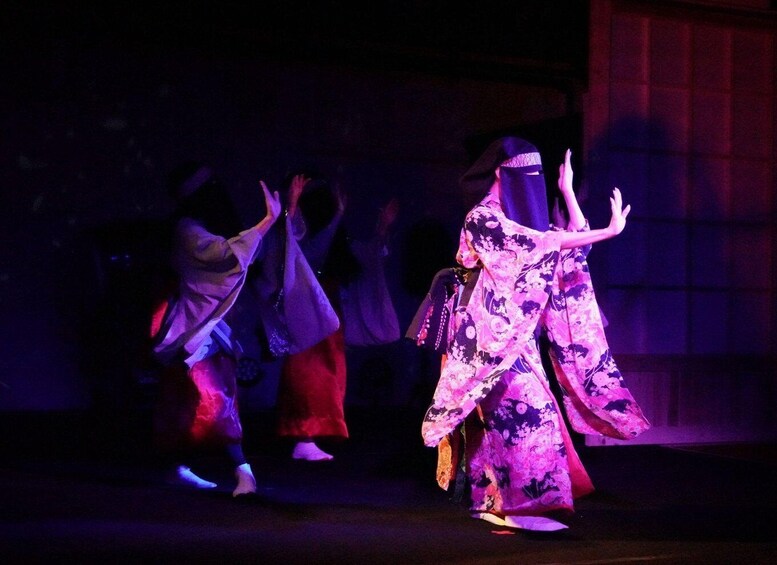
point(100, 100)
point(672, 101)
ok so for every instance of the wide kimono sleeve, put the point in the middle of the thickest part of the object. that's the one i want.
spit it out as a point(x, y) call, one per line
point(293, 309)
point(595, 396)
point(214, 253)
point(368, 311)
point(212, 272)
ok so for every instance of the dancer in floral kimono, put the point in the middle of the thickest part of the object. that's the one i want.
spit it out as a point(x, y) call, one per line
point(494, 407)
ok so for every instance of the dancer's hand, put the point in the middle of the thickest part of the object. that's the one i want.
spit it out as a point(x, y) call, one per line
point(619, 212)
point(576, 219)
point(565, 174)
point(298, 182)
point(272, 202)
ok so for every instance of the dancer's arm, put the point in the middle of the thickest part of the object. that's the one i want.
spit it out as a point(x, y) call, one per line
point(576, 217)
point(571, 239)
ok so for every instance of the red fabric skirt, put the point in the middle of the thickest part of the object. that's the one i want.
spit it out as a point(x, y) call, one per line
point(312, 391)
point(198, 406)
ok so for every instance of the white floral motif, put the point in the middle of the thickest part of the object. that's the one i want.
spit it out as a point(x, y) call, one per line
point(535, 280)
point(603, 380)
point(498, 325)
point(569, 265)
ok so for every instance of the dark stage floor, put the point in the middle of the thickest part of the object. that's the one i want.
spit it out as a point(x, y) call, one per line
point(69, 495)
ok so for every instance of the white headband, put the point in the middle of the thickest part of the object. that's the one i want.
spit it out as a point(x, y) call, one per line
point(522, 160)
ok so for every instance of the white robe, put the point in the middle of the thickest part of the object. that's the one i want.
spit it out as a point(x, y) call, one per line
point(212, 271)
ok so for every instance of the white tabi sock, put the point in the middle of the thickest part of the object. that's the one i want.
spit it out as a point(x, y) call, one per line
point(534, 523)
point(184, 476)
point(488, 517)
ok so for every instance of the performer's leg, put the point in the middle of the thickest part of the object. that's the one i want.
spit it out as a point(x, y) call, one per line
point(246, 483)
point(174, 414)
point(217, 421)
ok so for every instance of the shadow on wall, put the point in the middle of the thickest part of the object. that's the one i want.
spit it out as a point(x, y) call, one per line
point(660, 301)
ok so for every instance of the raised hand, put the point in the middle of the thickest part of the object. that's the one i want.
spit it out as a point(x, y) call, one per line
point(272, 202)
point(576, 219)
point(565, 173)
point(619, 213)
point(386, 216)
point(298, 182)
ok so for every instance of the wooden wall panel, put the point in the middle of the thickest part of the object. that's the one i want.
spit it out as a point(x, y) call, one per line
point(681, 115)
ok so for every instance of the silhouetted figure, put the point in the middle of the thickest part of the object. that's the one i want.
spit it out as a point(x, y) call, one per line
point(312, 388)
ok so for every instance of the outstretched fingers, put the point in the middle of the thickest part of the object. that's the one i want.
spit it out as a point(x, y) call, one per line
point(616, 202)
point(617, 196)
point(619, 212)
point(271, 200)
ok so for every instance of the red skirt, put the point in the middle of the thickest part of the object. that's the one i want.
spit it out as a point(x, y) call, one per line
point(312, 391)
point(198, 406)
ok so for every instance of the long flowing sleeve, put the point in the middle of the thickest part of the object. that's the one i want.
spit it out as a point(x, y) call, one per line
point(595, 395)
point(212, 272)
point(317, 247)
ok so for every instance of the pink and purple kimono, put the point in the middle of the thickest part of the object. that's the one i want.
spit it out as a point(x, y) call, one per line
point(520, 458)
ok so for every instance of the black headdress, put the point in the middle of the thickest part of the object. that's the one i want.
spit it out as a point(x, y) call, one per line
point(522, 184)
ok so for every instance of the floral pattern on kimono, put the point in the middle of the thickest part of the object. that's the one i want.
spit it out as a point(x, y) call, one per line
point(595, 397)
point(522, 270)
point(504, 309)
point(516, 451)
point(521, 459)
